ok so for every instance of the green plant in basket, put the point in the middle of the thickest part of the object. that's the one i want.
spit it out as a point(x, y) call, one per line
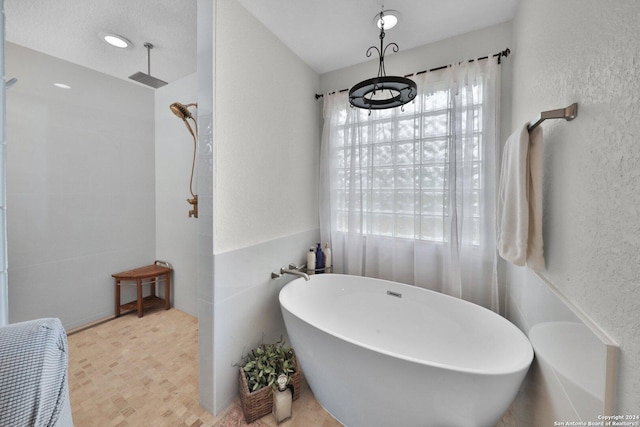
point(263, 364)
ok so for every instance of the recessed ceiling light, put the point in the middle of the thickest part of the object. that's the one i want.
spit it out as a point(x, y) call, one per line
point(115, 40)
point(62, 86)
point(391, 18)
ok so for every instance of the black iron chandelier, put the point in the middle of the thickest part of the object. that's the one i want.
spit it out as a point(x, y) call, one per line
point(383, 91)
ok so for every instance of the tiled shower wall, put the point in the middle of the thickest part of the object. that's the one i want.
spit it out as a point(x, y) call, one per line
point(176, 232)
point(4, 292)
point(80, 187)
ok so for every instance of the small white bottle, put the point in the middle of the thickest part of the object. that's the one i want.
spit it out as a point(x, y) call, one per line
point(282, 400)
point(327, 256)
point(311, 260)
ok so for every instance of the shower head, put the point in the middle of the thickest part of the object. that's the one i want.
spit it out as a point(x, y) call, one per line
point(181, 111)
point(148, 79)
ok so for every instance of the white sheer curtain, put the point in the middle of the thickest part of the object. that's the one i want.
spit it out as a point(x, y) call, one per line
point(409, 194)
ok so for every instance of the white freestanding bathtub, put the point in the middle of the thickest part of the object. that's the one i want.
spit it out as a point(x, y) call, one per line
point(382, 354)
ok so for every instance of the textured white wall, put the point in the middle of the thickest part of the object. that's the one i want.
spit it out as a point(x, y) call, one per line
point(176, 233)
point(267, 135)
point(259, 152)
point(80, 187)
point(586, 51)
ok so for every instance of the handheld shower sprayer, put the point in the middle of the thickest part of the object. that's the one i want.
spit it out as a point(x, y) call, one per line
point(182, 112)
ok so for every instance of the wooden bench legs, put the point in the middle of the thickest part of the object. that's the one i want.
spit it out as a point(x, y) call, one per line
point(141, 302)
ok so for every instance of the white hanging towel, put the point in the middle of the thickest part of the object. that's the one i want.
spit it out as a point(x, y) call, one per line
point(519, 216)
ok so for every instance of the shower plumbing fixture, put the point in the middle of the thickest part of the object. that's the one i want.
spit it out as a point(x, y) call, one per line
point(182, 111)
point(147, 78)
point(293, 269)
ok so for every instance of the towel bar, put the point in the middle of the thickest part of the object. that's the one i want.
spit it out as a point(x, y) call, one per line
point(569, 113)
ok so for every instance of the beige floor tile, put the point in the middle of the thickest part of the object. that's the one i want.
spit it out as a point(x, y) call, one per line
point(134, 372)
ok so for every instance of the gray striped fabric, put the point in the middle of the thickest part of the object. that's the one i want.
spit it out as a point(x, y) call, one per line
point(34, 390)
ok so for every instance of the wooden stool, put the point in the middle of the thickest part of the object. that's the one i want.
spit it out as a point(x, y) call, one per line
point(151, 272)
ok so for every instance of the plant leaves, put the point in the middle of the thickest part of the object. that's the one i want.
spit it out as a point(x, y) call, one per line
point(263, 364)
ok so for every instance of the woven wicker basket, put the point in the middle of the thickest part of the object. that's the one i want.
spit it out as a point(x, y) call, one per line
point(259, 403)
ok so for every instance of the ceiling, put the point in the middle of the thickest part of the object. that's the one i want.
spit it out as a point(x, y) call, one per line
point(326, 34)
point(68, 29)
point(333, 34)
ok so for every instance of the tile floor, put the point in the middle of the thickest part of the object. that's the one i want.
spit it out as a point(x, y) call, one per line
point(144, 372)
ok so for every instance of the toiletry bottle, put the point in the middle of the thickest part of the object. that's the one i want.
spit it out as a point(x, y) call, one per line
point(327, 256)
point(311, 261)
point(282, 400)
point(319, 259)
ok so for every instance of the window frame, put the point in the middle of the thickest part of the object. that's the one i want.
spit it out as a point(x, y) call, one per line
point(421, 137)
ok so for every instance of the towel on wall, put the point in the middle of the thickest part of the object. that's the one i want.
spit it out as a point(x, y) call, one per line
point(519, 210)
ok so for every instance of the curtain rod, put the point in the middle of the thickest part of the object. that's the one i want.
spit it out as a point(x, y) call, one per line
point(499, 55)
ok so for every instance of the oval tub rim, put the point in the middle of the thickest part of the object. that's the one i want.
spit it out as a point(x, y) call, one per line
point(454, 368)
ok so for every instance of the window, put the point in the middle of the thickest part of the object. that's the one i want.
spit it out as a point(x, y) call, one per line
point(393, 170)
